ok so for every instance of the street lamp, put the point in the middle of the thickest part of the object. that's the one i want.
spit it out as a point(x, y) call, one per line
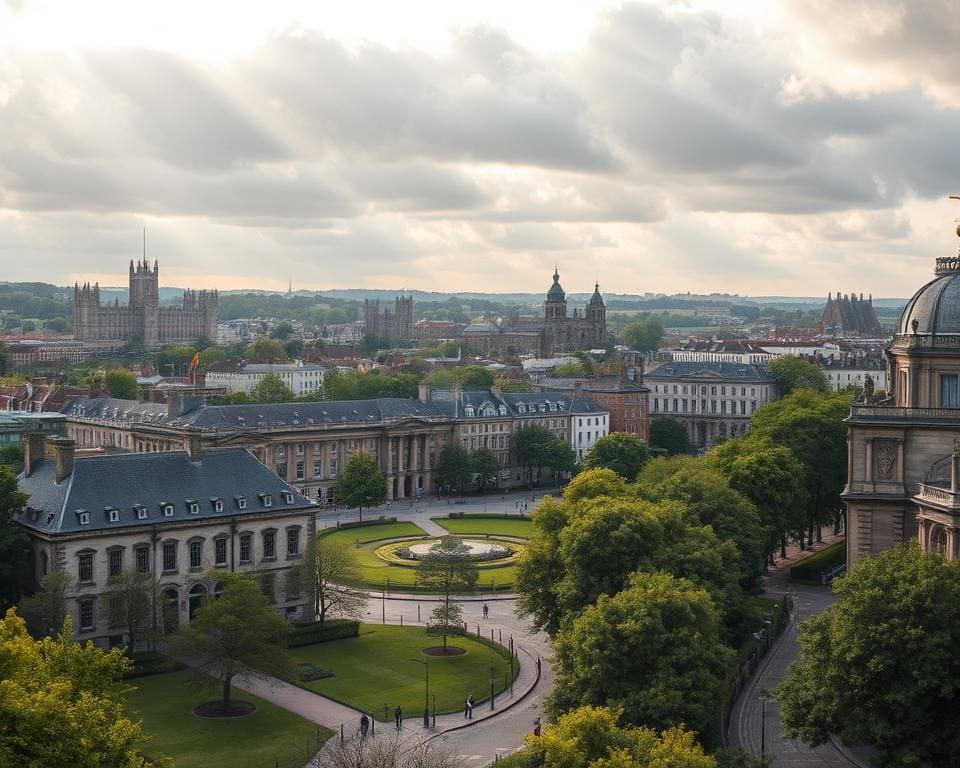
point(492, 681)
point(426, 691)
point(763, 698)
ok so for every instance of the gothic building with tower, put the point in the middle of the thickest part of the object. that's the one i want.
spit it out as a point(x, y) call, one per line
point(396, 325)
point(904, 446)
point(850, 316)
point(113, 325)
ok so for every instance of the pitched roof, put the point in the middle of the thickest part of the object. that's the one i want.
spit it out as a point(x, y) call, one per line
point(679, 370)
point(152, 480)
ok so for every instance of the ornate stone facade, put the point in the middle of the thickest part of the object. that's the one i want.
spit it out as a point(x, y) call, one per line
point(143, 317)
point(396, 325)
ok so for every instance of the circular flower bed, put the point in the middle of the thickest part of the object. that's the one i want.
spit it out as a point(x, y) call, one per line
point(484, 552)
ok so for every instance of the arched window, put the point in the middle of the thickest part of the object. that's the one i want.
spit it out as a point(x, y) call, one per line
point(171, 610)
point(938, 540)
point(197, 593)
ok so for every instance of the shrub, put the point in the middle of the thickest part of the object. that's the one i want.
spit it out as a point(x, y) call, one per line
point(152, 663)
point(307, 672)
point(811, 568)
point(312, 632)
point(357, 524)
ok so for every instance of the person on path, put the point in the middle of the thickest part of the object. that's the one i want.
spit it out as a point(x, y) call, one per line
point(398, 717)
point(470, 706)
point(466, 707)
point(486, 610)
point(536, 727)
point(364, 725)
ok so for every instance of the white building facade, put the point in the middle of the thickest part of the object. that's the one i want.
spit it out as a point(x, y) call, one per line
point(302, 378)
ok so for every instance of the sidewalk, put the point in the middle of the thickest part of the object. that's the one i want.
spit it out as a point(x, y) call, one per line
point(795, 554)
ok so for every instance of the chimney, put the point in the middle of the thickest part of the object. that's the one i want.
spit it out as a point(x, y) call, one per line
point(424, 395)
point(33, 448)
point(192, 445)
point(179, 404)
point(96, 390)
point(63, 450)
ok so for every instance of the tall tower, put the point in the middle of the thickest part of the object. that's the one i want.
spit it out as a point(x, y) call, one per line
point(555, 307)
point(597, 316)
point(145, 302)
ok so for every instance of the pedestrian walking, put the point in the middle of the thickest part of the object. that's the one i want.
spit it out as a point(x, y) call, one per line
point(398, 717)
point(536, 727)
point(466, 707)
point(364, 725)
point(486, 610)
point(470, 706)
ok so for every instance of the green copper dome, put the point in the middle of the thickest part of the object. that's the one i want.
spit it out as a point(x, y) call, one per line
point(556, 292)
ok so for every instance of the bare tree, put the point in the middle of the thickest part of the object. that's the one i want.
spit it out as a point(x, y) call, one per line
point(325, 574)
point(382, 751)
point(130, 603)
point(448, 568)
point(45, 610)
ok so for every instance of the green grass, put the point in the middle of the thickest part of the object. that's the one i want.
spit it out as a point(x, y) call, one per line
point(271, 734)
point(375, 573)
point(764, 609)
point(378, 668)
point(504, 526)
point(809, 569)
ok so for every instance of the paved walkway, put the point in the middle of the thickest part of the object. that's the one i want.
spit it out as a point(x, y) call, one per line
point(755, 721)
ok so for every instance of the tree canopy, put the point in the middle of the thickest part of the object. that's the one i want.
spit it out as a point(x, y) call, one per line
point(670, 434)
point(447, 568)
point(265, 348)
point(537, 447)
point(454, 468)
point(121, 384)
point(13, 539)
point(325, 574)
point(271, 389)
point(361, 483)
point(793, 373)
point(62, 702)
point(879, 666)
point(652, 650)
point(625, 454)
point(484, 464)
point(237, 630)
point(643, 335)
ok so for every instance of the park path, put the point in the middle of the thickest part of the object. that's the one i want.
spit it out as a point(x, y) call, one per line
point(755, 720)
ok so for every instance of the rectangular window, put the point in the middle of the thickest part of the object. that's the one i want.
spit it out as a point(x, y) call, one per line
point(948, 390)
point(300, 472)
point(196, 554)
point(245, 548)
point(293, 541)
point(299, 449)
point(85, 568)
point(170, 556)
point(268, 585)
point(142, 557)
point(115, 561)
point(333, 467)
point(281, 450)
point(282, 470)
point(269, 544)
point(86, 614)
point(316, 469)
point(220, 552)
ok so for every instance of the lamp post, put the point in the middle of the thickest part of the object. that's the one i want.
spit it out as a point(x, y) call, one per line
point(762, 698)
point(426, 691)
point(492, 680)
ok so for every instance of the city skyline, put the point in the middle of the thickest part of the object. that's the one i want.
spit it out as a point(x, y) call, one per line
point(751, 148)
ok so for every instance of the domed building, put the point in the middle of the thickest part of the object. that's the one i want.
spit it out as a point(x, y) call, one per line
point(903, 461)
point(582, 330)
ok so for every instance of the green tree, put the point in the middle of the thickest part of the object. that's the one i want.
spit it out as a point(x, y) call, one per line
point(281, 331)
point(63, 702)
point(513, 385)
point(454, 467)
point(535, 448)
point(131, 602)
point(569, 370)
point(210, 355)
point(591, 737)
point(325, 574)
point(174, 360)
point(237, 631)
point(121, 384)
point(793, 373)
point(361, 483)
point(540, 569)
point(46, 609)
point(14, 544)
point(12, 454)
point(271, 389)
point(670, 434)
point(625, 454)
point(4, 359)
point(237, 398)
point(653, 650)
point(643, 335)
point(485, 468)
point(265, 348)
point(448, 569)
point(879, 666)
point(56, 324)
point(293, 347)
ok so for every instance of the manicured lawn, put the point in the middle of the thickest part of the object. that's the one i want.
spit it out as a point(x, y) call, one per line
point(165, 704)
point(504, 526)
point(375, 572)
point(378, 668)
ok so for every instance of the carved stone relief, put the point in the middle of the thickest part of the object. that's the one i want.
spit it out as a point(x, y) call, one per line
point(885, 459)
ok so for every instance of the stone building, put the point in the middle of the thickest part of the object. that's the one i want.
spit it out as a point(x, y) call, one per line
point(113, 325)
point(180, 516)
point(711, 399)
point(396, 325)
point(903, 468)
point(625, 398)
point(301, 377)
point(850, 316)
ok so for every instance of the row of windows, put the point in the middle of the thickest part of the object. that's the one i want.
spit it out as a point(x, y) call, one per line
point(596, 421)
point(167, 509)
point(680, 405)
point(677, 389)
point(195, 554)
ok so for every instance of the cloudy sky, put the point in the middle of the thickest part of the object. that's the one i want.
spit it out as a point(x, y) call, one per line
point(762, 147)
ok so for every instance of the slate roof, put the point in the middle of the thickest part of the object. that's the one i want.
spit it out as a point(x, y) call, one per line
point(680, 370)
point(124, 481)
point(512, 400)
point(233, 417)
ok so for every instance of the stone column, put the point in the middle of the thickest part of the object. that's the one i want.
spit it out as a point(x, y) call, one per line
point(868, 454)
point(951, 543)
point(401, 466)
point(386, 447)
point(901, 477)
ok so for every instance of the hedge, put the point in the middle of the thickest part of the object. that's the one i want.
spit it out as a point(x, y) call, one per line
point(357, 524)
point(152, 663)
point(312, 632)
point(810, 568)
point(488, 515)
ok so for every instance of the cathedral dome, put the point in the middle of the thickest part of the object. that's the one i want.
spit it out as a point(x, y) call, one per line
point(935, 308)
point(596, 300)
point(556, 292)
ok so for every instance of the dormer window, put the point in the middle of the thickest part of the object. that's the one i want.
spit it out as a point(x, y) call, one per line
point(167, 509)
point(522, 408)
point(241, 502)
point(83, 517)
point(287, 497)
point(140, 511)
point(217, 504)
point(192, 507)
point(113, 515)
point(559, 406)
point(266, 499)
point(503, 410)
point(468, 411)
